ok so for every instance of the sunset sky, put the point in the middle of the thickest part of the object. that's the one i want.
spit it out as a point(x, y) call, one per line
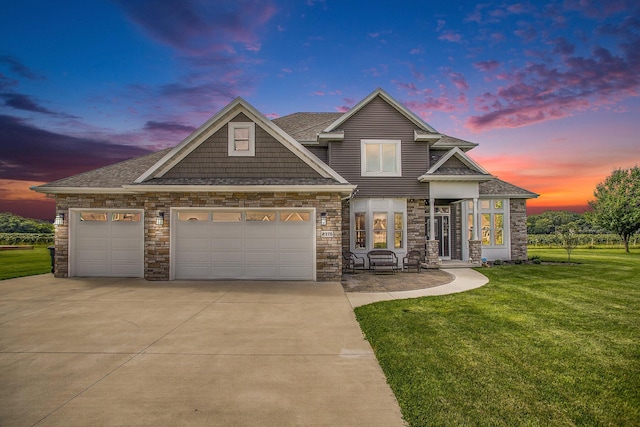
point(548, 89)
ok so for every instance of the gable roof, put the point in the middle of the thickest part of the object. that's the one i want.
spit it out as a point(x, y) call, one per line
point(216, 122)
point(428, 133)
point(471, 171)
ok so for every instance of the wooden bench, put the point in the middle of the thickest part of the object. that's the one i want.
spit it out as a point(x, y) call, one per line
point(382, 260)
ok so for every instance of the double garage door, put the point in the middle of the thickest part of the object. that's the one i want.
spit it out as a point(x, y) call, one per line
point(261, 244)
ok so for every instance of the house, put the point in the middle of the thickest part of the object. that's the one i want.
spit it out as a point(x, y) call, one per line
point(245, 197)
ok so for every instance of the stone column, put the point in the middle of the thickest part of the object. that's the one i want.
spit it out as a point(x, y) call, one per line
point(432, 258)
point(475, 252)
point(61, 244)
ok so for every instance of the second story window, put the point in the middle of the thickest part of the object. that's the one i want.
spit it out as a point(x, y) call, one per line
point(380, 157)
point(242, 139)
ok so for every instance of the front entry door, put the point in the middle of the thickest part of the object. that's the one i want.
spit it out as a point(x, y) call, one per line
point(442, 231)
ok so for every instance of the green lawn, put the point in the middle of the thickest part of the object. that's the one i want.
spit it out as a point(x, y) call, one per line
point(18, 263)
point(539, 345)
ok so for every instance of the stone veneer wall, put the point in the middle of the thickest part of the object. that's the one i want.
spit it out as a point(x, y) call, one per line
point(416, 225)
point(518, 215)
point(157, 246)
point(346, 225)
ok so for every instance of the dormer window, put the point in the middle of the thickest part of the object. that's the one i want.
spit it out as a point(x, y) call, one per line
point(242, 139)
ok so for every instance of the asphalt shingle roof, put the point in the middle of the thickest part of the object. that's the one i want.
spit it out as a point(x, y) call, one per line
point(305, 127)
point(498, 187)
point(112, 176)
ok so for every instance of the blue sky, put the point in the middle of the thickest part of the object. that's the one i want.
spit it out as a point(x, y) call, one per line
point(548, 89)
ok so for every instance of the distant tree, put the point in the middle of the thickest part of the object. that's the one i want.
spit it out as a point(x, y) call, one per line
point(549, 221)
point(10, 223)
point(616, 207)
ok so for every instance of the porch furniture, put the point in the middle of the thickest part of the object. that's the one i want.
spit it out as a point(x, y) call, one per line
point(382, 260)
point(352, 262)
point(413, 259)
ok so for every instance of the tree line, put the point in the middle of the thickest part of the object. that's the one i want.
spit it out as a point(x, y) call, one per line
point(615, 209)
point(11, 223)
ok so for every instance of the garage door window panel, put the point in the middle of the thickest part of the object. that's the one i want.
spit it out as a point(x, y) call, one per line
point(125, 217)
point(227, 216)
point(295, 216)
point(193, 216)
point(93, 216)
point(253, 216)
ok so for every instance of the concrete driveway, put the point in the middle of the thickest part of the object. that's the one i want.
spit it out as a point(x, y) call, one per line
point(131, 352)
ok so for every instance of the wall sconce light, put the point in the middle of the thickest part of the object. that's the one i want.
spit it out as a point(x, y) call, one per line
point(323, 218)
point(160, 218)
point(59, 220)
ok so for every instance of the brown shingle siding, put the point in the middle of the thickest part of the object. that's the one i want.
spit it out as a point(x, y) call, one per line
point(211, 159)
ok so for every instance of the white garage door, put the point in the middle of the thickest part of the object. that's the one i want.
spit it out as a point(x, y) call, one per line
point(244, 244)
point(107, 243)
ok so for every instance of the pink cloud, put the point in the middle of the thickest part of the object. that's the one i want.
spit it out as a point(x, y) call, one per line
point(490, 65)
point(541, 91)
point(450, 36)
point(458, 80)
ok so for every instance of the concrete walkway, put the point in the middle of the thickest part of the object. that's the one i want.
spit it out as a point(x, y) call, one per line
point(79, 352)
point(465, 279)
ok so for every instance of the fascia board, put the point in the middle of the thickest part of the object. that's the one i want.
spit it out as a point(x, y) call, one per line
point(81, 190)
point(452, 178)
point(142, 188)
point(431, 138)
point(399, 107)
point(331, 136)
point(509, 196)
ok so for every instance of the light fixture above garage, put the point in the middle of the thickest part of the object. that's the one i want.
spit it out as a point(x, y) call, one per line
point(160, 218)
point(59, 220)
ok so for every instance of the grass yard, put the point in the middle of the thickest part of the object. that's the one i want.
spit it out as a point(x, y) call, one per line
point(539, 345)
point(18, 263)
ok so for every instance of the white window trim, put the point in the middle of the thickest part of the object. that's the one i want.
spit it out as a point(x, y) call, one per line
point(363, 159)
point(251, 152)
point(491, 211)
point(388, 206)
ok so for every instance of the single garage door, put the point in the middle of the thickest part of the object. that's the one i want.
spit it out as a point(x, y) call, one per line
point(107, 243)
point(244, 244)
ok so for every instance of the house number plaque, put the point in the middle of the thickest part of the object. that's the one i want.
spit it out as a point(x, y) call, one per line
point(326, 234)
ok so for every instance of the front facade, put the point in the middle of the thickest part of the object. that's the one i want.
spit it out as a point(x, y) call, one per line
point(244, 197)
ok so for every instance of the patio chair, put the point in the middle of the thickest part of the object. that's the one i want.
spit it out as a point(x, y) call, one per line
point(413, 259)
point(352, 262)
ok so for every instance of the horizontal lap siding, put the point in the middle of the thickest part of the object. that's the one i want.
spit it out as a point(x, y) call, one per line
point(379, 120)
point(211, 159)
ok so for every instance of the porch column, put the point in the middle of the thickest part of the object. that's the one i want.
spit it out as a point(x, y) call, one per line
point(432, 219)
point(432, 256)
point(476, 236)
